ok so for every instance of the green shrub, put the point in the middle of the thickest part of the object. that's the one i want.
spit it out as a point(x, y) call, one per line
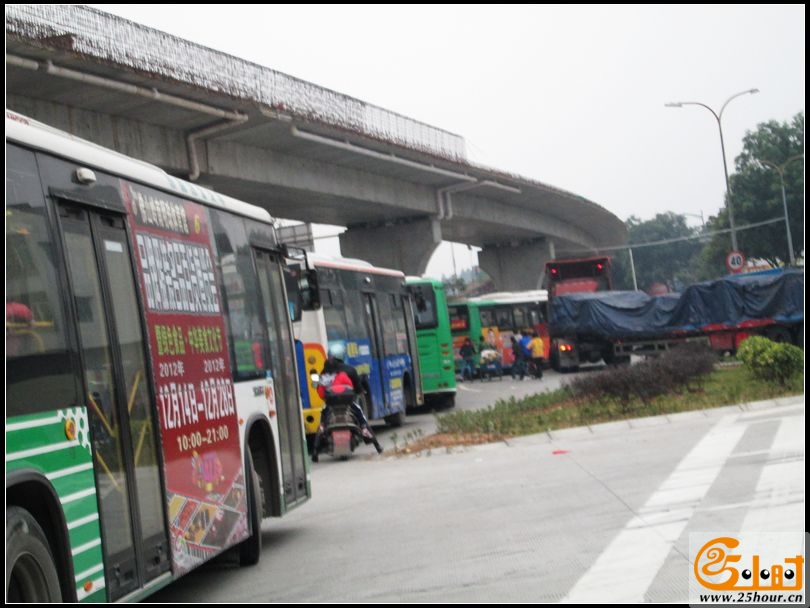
point(692, 361)
point(752, 350)
point(672, 371)
point(770, 361)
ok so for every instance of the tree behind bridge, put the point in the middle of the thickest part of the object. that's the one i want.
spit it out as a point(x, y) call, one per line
point(757, 197)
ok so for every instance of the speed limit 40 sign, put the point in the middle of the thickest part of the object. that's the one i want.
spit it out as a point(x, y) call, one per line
point(735, 261)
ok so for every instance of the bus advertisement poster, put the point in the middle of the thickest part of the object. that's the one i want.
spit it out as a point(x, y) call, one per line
point(192, 373)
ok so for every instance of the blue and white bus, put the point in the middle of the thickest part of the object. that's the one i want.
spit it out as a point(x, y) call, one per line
point(364, 312)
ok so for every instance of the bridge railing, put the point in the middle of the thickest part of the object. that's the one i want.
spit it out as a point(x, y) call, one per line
point(111, 39)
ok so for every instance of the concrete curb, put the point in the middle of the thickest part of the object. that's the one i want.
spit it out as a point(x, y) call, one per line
point(580, 432)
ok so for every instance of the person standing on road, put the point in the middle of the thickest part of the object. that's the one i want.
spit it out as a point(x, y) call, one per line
point(467, 352)
point(537, 349)
point(519, 364)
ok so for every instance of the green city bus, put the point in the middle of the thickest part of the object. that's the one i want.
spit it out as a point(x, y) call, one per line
point(434, 340)
point(490, 320)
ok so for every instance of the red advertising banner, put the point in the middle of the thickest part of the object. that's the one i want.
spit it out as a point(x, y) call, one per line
point(203, 469)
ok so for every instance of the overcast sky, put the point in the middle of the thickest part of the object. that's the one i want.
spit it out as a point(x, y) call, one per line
point(570, 96)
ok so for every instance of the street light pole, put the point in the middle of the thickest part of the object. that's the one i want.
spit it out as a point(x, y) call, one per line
point(718, 117)
point(780, 169)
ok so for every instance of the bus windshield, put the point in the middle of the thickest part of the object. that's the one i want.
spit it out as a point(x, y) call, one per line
point(424, 306)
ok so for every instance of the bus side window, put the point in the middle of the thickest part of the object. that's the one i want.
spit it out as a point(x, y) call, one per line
point(504, 317)
point(247, 338)
point(295, 293)
point(520, 317)
point(333, 314)
point(40, 374)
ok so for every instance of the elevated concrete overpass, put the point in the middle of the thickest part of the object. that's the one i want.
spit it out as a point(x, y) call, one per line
point(301, 151)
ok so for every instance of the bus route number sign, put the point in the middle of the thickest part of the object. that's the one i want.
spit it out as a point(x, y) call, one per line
point(735, 261)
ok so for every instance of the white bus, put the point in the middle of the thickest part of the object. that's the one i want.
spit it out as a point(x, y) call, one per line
point(153, 414)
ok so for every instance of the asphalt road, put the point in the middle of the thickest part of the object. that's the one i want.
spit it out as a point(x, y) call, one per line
point(602, 514)
point(473, 395)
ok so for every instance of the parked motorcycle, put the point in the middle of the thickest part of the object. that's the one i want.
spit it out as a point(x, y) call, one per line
point(340, 431)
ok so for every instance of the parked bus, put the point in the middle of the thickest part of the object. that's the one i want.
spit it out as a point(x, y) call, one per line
point(495, 317)
point(152, 409)
point(364, 312)
point(434, 339)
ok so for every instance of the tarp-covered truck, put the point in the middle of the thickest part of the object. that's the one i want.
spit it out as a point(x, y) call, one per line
point(588, 322)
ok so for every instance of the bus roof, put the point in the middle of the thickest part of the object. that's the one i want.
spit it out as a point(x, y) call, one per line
point(351, 264)
point(40, 136)
point(431, 280)
point(506, 297)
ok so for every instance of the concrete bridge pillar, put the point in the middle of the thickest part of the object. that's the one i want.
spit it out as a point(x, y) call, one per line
point(404, 245)
point(516, 266)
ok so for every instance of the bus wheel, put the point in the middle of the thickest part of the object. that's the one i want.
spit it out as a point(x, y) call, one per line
point(410, 398)
point(31, 575)
point(250, 551)
point(396, 420)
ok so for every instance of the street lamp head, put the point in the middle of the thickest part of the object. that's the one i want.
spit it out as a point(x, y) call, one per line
point(752, 91)
point(674, 104)
point(779, 168)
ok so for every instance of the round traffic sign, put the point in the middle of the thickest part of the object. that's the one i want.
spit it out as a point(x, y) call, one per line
point(735, 261)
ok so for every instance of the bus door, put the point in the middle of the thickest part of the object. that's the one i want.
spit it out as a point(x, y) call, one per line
point(413, 349)
point(282, 380)
point(460, 328)
point(374, 330)
point(116, 383)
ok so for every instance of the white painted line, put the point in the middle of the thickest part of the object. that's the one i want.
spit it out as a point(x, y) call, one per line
point(770, 522)
point(469, 390)
point(625, 569)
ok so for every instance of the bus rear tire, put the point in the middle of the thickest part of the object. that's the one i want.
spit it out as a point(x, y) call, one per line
point(396, 420)
point(31, 575)
point(250, 550)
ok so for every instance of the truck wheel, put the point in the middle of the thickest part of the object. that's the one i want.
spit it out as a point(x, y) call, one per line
point(250, 550)
point(555, 361)
point(778, 334)
point(31, 575)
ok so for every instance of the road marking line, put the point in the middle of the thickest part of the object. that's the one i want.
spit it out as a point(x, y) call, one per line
point(778, 498)
point(625, 569)
point(469, 390)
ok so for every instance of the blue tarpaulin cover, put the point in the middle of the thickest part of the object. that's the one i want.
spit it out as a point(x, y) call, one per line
point(775, 294)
